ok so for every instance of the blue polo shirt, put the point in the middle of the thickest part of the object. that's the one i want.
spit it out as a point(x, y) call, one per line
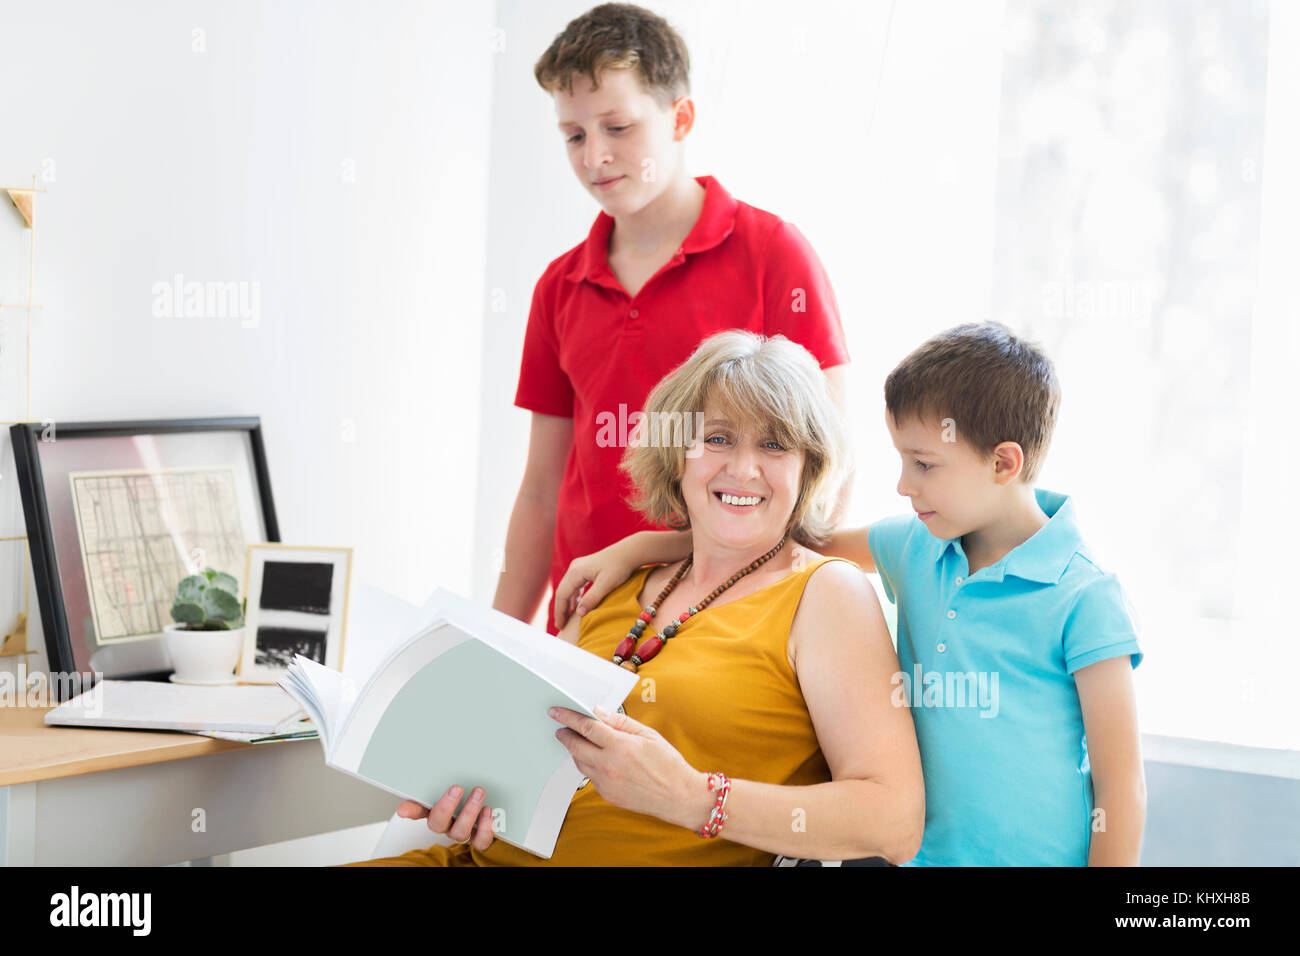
point(987, 663)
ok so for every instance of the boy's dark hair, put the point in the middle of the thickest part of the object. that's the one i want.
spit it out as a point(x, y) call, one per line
point(994, 386)
point(618, 36)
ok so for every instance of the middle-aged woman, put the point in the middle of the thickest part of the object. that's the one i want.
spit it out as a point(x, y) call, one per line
point(770, 699)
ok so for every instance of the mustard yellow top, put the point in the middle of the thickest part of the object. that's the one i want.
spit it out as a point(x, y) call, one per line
point(723, 693)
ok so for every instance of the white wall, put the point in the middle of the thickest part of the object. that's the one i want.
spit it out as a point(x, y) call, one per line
point(335, 154)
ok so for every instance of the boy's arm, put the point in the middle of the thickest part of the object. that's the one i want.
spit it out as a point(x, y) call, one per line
point(848, 543)
point(851, 543)
point(530, 538)
point(1114, 750)
point(608, 568)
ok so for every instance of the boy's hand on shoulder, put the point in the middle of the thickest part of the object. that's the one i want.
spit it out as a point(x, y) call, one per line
point(602, 571)
point(588, 579)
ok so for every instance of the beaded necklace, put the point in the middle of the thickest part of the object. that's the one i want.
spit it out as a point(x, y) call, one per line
point(629, 653)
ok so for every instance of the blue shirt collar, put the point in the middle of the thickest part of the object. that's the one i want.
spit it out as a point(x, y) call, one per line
point(1045, 554)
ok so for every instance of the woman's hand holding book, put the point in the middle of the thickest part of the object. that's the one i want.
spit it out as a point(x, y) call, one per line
point(473, 825)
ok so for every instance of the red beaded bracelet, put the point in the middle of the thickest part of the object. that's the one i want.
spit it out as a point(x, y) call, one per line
point(717, 781)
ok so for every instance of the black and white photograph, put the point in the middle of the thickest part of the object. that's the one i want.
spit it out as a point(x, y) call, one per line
point(297, 604)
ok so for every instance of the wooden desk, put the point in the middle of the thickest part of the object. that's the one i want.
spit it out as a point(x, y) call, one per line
point(74, 796)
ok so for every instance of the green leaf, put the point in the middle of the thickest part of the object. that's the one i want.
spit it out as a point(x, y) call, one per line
point(220, 604)
point(224, 581)
point(191, 589)
point(187, 612)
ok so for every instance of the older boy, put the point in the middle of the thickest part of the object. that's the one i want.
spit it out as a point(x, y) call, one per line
point(670, 260)
point(1015, 647)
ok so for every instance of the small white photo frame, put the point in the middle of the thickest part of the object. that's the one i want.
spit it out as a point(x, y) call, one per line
point(297, 603)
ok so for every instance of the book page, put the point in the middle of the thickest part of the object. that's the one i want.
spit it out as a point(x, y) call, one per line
point(580, 675)
point(333, 695)
point(378, 624)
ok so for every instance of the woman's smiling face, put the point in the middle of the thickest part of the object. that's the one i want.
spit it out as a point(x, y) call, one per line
point(738, 459)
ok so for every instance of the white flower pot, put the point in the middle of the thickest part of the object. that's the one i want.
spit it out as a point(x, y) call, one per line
point(203, 657)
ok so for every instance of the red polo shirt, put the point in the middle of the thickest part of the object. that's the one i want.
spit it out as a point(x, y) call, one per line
point(590, 348)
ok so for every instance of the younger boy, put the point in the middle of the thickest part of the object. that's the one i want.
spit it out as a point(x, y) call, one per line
point(1015, 647)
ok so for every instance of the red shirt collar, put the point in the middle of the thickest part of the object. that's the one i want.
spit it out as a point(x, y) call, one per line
point(717, 220)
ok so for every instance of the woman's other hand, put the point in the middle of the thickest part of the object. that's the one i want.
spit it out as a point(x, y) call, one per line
point(472, 825)
point(633, 767)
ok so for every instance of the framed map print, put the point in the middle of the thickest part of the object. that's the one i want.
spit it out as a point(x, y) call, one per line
point(118, 513)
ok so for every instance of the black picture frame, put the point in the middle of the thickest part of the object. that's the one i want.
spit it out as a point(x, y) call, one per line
point(28, 444)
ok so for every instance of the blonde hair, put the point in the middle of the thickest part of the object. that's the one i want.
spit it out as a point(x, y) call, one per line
point(769, 382)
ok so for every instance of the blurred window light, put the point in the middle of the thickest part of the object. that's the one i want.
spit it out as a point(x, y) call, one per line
point(1141, 240)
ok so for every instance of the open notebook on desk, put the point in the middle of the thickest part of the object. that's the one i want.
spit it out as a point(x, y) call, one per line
point(158, 705)
point(247, 713)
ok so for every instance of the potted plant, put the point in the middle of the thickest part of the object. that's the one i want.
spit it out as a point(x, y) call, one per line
point(208, 636)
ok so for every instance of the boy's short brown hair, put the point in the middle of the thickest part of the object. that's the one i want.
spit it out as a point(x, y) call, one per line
point(620, 36)
point(994, 387)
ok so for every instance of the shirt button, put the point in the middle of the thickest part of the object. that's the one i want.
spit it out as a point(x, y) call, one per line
point(959, 580)
point(942, 648)
point(635, 313)
point(951, 615)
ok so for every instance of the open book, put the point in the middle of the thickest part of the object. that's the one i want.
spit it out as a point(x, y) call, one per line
point(463, 701)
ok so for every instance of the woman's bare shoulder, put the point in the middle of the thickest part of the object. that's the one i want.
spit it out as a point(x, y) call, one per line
point(837, 601)
point(837, 586)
